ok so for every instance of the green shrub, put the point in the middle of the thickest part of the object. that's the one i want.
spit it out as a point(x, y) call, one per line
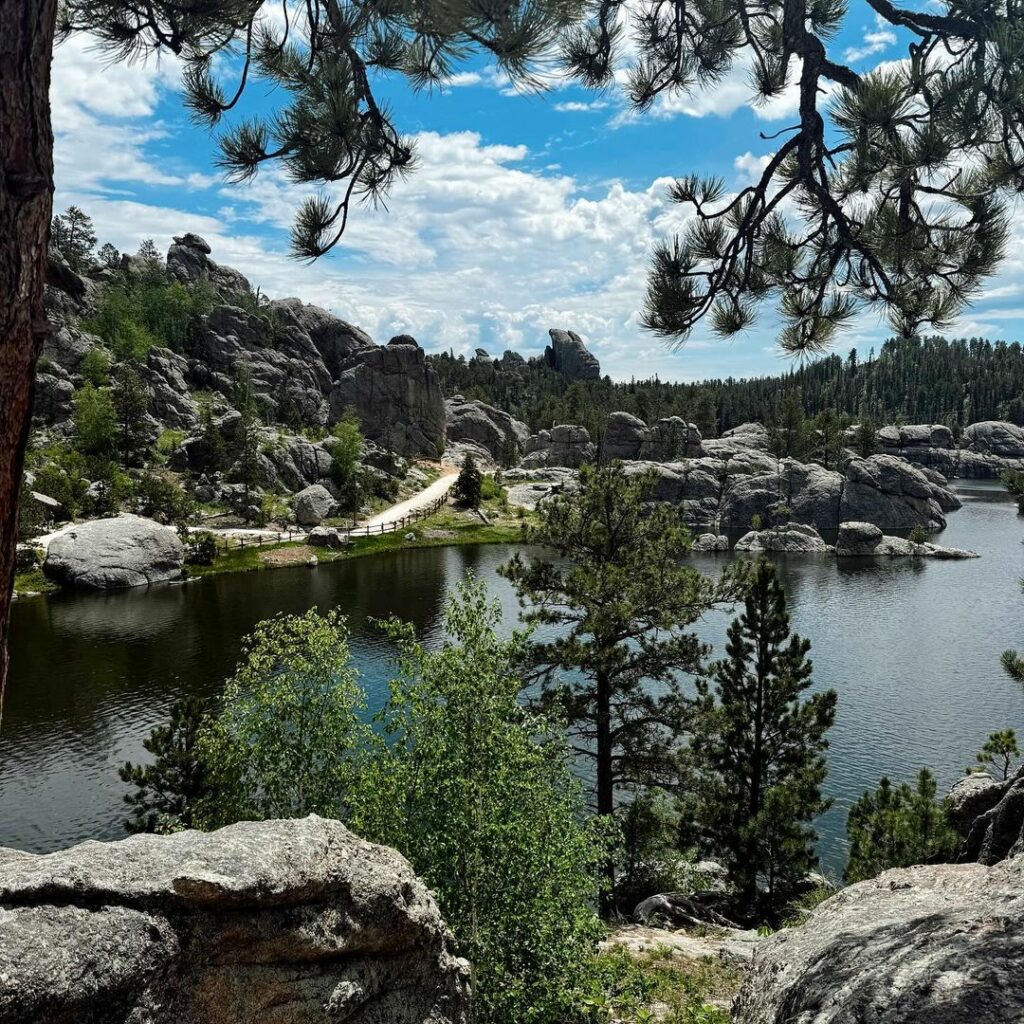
point(95, 367)
point(917, 535)
point(95, 421)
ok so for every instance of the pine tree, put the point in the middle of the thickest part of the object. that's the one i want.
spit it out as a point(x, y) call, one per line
point(620, 596)
point(131, 404)
point(469, 486)
point(999, 751)
point(109, 256)
point(874, 219)
point(790, 437)
point(896, 827)
point(168, 790)
point(828, 443)
point(247, 433)
point(72, 233)
point(759, 753)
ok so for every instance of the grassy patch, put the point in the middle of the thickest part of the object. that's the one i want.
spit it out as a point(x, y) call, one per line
point(446, 527)
point(657, 985)
point(32, 581)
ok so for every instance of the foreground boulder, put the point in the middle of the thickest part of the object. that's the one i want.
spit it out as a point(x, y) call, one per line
point(110, 554)
point(294, 922)
point(989, 814)
point(937, 944)
point(313, 505)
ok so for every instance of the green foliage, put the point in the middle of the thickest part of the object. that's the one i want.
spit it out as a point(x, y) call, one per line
point(161, 496)
point(828, 439)
point(168, 790)
point(759, 751)
point(72, 233)
point(917, 535)
point(649, 859)
point(346, 448)
point(201, 549)
point(169, 441)
point(131, 405)
point(329, 128)
point(95, 367)
point(477, 792)
point(620, 595)
point(94, 419)
point(469, 486)
point(1013, 481)
point(924, 380)
point(865, 439)
point(998, 752)
point(246, 446)
point(895, 827)
point(287, 739)
point(61, 474)
point(625, 987)
point(876, 220)
point(791, 437)
point(109, 257)
point(131, 319)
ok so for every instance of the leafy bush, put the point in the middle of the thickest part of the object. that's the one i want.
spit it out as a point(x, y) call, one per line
point(479, 795)
point(201, 549)
point(131, 320)
point(917, 535)
point(95, 421)
point(95, 367)
point(161, 497)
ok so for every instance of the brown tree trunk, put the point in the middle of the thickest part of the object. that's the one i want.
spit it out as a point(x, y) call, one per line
point(26, 203)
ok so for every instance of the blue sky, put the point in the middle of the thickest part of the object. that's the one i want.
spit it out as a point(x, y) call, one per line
point(528, 211)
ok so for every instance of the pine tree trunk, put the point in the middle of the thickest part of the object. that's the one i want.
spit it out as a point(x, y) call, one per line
point(26, 203)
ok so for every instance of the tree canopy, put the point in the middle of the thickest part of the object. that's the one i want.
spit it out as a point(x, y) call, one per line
point(890, 187)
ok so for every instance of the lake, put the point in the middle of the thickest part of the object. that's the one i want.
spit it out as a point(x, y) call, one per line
point(911, 646)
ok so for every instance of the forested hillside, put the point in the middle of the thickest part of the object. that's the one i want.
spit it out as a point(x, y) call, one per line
point(920, 380)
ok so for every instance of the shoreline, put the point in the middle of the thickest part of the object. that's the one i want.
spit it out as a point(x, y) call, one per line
point(449, 527)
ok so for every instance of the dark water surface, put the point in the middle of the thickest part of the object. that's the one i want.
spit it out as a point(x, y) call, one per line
point(911, 646)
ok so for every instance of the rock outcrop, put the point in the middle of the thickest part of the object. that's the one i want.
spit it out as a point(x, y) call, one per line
point(629, 438)
point(110, 554)
point(890, 493)
point(792, 538)
point(564, 445)
point(989, 814)
point(865, 540)
point(570, 357)
point(937, 944)
point(394, 391)
point(297, 922)
point(492, 429)
point(188, 261)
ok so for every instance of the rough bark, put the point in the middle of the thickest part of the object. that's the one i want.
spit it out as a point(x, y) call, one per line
point(26, 203)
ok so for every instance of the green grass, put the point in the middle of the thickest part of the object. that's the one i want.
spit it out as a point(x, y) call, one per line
point(32, 581)
point(445, 528)
point(627, 985)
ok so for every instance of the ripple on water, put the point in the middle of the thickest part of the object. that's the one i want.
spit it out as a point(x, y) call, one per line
point(912, 647)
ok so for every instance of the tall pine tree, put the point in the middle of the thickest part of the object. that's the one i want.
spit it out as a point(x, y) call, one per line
point(759, 754)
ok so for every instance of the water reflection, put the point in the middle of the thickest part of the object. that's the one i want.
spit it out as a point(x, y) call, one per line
point(912, 647)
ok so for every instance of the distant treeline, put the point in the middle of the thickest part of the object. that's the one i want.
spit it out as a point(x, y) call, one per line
point(917, 380)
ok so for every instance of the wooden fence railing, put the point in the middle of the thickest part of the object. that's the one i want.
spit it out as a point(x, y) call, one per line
point(374, 530)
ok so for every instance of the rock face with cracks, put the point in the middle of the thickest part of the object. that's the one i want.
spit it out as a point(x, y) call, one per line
point(935, 944)
point(295, 922)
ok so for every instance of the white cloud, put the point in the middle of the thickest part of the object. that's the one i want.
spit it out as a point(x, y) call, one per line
point(875, 41)
point(574, 106)
point(749, 168)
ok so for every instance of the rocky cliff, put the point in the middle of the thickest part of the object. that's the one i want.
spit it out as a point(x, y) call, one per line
point(295, 922)
point(985, 449)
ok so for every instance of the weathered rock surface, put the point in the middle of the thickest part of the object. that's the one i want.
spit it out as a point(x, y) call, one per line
point(296, 922)
point(793, 538)
point(570, 357)
point(938, 944)
point(990, 816)
point(108, 554)
point(629, 438)
point(865, 540)
point(394, 391)
point(564, 445)
point(492, 429)
point(711, 542)
point(313, 504)
point(188, 261)
point(890, 493)
point(164, 373)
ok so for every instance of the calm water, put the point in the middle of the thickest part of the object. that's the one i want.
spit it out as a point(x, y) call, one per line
point(912, 648)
